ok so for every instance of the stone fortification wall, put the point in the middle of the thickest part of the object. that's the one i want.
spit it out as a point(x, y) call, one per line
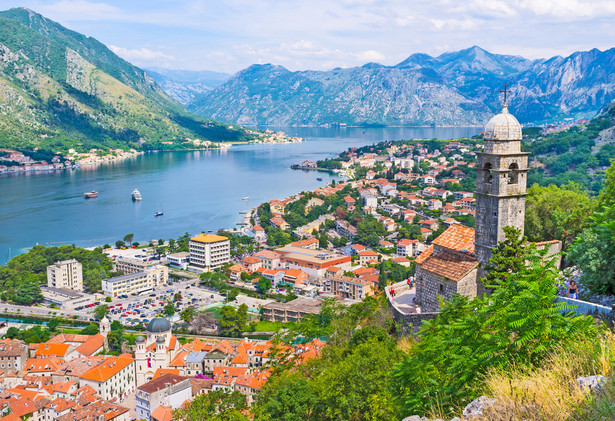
point(410, 322)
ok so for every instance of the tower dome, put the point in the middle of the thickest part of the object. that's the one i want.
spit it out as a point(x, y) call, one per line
point(140, 339)
point(503, 126)
point(159, 325)
point(160, 340)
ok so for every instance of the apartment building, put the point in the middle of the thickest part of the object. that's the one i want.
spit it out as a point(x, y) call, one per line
point(113, 378)
point(312, 262)
point(209, 252)
point(168, 390)
point(135, 283)
point(347, 287)
point(67, 274)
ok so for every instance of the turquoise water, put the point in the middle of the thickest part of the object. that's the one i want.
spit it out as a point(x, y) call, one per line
point(197, 190)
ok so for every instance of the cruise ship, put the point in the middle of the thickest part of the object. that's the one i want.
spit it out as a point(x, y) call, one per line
point(136, 195)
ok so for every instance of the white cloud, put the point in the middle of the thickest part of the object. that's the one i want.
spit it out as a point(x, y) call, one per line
point(141, 55)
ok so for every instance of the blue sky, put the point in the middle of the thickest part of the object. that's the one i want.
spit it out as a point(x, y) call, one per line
point(230, 35)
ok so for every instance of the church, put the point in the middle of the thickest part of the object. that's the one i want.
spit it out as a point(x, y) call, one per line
point(456, 260)
point(155, 351)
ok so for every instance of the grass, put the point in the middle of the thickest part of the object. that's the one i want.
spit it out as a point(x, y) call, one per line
point(266, 326)
point(550, 391)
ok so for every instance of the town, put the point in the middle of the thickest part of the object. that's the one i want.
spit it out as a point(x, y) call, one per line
point(348, 240)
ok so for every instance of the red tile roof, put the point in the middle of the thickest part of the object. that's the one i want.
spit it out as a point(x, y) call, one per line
point(457, 237)
point(450, 264)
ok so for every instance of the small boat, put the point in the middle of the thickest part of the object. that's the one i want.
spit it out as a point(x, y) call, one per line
point(245, 198)
point(90, 194)
point(159, 213)
point(319, 178)
point(136, 195)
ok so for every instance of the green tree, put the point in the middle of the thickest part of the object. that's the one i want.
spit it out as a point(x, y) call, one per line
point(187, 314)
point(323, 240)
point(218, 405)
point(508, 257)
point(232, 295)
point(519, 323)
point(263, 285)
point(108, 299)
point(115, 337)
point(128, 238)
point(169, 309)
point(119, 244)
point(101, 311)
point(289, 397)
point(557, 213)
point(230, 322)
point(177, 296)
point(91, 329)
point(53, 324)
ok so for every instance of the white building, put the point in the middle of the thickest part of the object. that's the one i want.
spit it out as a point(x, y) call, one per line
point(168, 390)
point(156, 351)
point(209, 252)
point(67, 274)
point(135, 283)
point(179, 260)
point(114, 378)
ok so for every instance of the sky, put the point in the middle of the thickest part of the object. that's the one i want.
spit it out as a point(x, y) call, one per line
point(227, 36)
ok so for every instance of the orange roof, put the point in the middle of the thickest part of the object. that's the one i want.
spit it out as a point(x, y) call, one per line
point(47, 350)
point(450, 264)
point(162, 413)
point(424, 255)
point(38, 365)
point(241, 358)
point(250, 260)
point(368, 253)
point(63, 387)
point(294, 273)
point(162, 371)
point(457, 237)
point(229, 371)
point(224, 346)
point(180, 359)
point(109, 368)
point(208, 238)
point(198, 345)
point(92, 345)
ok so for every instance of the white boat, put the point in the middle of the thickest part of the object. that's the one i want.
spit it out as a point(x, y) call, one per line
point(136, 195)
point(245, 198)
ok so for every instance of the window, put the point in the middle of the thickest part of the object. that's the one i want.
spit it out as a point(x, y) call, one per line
point(513, 173)
point(441, 288)
point(488, 177)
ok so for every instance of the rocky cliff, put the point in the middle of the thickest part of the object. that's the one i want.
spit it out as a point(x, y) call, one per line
point(458, 88)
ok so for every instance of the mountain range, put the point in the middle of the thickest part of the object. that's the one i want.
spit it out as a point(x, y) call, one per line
point(456, 88)
point(60, 89)
point(185, 85)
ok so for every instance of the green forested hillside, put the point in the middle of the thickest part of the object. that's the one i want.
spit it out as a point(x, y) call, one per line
point(579, 154)
point(60, 89)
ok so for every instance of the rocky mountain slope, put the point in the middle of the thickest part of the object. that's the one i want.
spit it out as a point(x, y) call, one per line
point(458, 88)
point(60, 89)
point(184, 85)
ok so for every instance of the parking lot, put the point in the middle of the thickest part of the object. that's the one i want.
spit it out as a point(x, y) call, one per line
point(142, 308)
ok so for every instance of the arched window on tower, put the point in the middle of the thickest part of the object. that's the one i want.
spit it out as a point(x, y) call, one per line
point(513, 173)
point(488, 177)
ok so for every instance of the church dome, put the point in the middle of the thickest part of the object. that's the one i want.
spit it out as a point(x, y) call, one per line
point(159, 325)
point(503, 126)
point(140, 339)
point(160, 340)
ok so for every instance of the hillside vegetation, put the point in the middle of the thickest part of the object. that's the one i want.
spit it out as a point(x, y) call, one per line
point(580, 154)
point(60, 89)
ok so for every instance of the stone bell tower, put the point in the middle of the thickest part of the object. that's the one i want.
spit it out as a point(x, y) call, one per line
point(501, 181)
